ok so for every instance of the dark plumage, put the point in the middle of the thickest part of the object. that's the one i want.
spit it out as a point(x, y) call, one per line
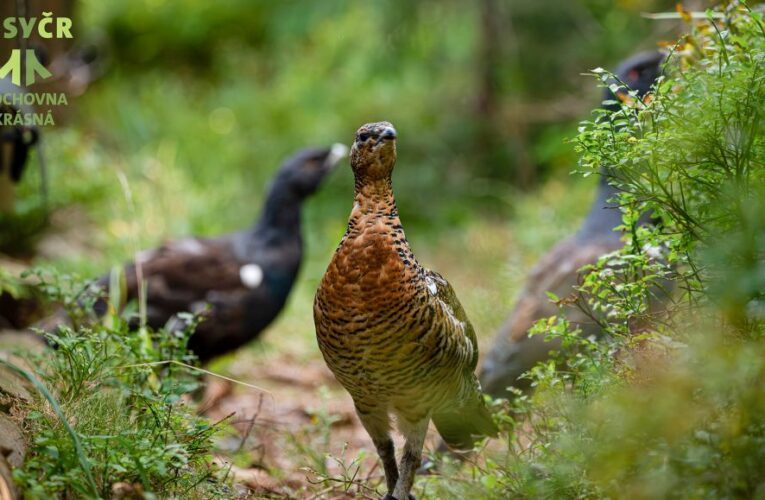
point(15, 143)
point(244, 276)
point(392, 332)
point(513, 351)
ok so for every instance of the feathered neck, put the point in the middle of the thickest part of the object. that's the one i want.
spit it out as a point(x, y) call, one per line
point(604, 214)
point(375, 196)
point(281, 213)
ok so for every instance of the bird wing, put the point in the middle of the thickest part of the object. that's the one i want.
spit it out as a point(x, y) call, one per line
point(556, 272)
point(513, 352)
point(465, 418)
point(22, 143)
point(460, 328)
point(183, 273)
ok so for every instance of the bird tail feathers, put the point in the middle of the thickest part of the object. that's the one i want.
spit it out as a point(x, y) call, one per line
point(461, 427)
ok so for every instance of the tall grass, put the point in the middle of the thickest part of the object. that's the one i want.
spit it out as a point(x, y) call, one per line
point(114, 415)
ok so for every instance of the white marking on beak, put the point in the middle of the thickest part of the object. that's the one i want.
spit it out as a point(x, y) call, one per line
point(336, 153)
point(251, 275)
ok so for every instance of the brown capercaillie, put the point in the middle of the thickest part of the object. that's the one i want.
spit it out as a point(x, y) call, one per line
point(393, 332)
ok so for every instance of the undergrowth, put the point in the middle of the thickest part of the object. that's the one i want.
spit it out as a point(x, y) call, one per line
point(114, 415)
point(670, 401)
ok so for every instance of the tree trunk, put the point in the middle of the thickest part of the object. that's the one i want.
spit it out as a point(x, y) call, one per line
point(497, 49)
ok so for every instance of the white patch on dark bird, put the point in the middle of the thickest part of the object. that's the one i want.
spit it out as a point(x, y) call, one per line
point(251, 275)
point(432, 286)
point(190, 245)
point(144, 256)
point(336, 153)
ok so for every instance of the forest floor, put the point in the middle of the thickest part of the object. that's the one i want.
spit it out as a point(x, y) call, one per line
point(299, 436)
point(304, 428)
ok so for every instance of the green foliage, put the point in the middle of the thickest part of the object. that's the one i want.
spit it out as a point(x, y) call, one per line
point(348, 480)
point(693, 157)
point(311, 442)
point(204, 100)
point(20, 230)
point(669, 403)
point(114, 413)
point(470, 101)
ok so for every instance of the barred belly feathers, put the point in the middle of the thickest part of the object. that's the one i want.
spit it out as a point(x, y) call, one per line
point(393, 332)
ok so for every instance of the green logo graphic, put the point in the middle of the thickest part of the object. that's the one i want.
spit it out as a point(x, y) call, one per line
point(33, 68)
point(22, 28)
point(17, 105)
point(23, 68)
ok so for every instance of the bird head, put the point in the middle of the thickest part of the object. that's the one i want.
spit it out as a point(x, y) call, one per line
point(639, 72)
point(303, 172)
point(374, 151)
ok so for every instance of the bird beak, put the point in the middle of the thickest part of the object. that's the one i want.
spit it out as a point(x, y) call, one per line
point(336, 153)
point(388, 133)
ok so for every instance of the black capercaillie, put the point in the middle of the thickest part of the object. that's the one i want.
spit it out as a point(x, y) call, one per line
point(393, 332)
point(245, 276)
point(513, 352)
point(240, 281)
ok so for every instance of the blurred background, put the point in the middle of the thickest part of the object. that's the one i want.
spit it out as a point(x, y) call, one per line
point(195, 104)
point(191, 105)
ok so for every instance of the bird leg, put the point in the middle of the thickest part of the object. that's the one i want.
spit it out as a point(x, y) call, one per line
point(388, 457)
point(410, 460)
point(377, 424)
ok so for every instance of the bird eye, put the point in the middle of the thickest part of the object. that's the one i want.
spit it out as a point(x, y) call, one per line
point(362, 137)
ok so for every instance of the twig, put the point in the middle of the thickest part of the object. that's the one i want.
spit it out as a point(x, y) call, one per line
point(195, 368)
point(660, 16)
point(251, 424)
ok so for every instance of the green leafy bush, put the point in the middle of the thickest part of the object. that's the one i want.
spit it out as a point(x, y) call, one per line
point(113, 414)
point(671, 402)
point(474, 88)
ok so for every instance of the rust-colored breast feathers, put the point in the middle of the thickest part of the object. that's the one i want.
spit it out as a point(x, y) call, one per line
point(382, 323)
